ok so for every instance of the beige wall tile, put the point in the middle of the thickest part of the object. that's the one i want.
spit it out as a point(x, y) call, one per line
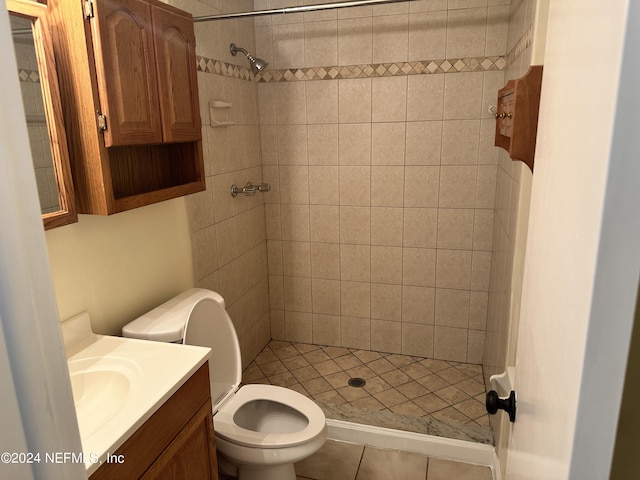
point(297, 294)
point(483, 230)
point(276, 292)
point(354, 100)
point(452, 308)
point(478, 307)
point(421, 186)
point(497, 30)
point(386, 265)
point(355, 263)
point(355, 144)
point(460, 142)
point(205, 252)
point(326, 330)
point(276, 319)
point(324, 222)
point(355, 225)
point(466, 31)
point(450, 344)
point(453, 269)
point(425, 97)
point(386, 336)
point(295, 222)
point(386, 302)
point(390, 38)
point(323, 144)
point(427, 35)
point(267, 103)
point(355, 299)
point(291, 104)
point(296, 259)
point(387, 186)
point(294, 184)
point(389, 99)
point(418, 305)
point(423, 143)
point(355, 332)
point(487, 152)
point(268, 144)
point(325, 260)
point(355, 45)
point(419, 267)
point(480, 271)
point(455, 228)
point(355, 185)
point(388, 143)
point(387, 226)
point(298, 327)
point(321, 43)
point(274, 257)
point(322, 101)
point(417, 340)
point(323, 185)
point(273, 222)
point(475, 347)
point(292, 145)
point(427, 5)
point(463, 95)
point(457, 186)
point(326, 296)
point(486, 186)
point(288, 46)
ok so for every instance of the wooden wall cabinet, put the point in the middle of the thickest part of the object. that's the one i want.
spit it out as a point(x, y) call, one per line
point(517, 116)
point(176, 443)
point(130, 98)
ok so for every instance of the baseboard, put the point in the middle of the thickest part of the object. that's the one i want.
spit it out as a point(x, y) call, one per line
point(439, 447)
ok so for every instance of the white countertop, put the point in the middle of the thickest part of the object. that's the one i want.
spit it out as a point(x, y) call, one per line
point(119, 383)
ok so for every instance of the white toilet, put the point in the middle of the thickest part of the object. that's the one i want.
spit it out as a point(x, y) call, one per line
point(261, 430)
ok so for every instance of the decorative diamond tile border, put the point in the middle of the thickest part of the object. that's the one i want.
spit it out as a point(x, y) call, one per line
point(422, 67)
point(29, 76)
point(521, 45)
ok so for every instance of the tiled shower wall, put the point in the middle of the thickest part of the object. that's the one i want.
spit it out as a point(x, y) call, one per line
point(228, 235)
point(380, 222)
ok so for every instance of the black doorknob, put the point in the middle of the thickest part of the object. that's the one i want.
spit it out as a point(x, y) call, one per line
point(495, 403)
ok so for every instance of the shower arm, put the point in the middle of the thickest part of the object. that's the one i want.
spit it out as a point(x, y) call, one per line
point(304, 8)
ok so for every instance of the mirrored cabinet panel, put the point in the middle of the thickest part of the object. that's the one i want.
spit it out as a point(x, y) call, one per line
point(43, 112)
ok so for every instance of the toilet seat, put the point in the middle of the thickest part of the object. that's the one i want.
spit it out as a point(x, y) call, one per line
point(227, 428)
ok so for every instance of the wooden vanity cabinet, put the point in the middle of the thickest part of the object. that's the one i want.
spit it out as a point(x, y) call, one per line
point(130, 99)
point(176, 443)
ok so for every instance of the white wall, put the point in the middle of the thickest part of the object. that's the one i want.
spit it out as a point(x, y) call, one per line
point(582, 260)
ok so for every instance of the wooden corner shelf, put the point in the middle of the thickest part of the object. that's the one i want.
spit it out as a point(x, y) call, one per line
point(517, 115)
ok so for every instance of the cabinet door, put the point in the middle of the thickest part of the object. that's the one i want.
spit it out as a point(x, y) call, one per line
point(191, 454)
point(175, 45)
point(126, 70)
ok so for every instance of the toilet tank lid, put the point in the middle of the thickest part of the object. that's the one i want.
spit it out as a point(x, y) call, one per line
point(166, 322)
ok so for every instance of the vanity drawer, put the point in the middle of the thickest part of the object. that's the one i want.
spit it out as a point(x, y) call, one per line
point(178, 436)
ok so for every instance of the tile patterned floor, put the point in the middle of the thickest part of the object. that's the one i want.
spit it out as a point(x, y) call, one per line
point(347, 461)
point(403, 392)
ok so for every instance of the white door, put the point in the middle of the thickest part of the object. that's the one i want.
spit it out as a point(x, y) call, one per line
point(583, 247)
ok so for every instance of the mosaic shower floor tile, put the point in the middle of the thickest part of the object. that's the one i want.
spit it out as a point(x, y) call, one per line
point(403, 392)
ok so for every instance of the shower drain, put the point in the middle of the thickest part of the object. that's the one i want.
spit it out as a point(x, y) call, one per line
point(357, 382)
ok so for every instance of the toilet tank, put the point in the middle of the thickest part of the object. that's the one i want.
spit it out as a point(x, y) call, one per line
point(197, 317)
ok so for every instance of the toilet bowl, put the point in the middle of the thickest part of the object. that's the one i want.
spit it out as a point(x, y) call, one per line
point(261, 430)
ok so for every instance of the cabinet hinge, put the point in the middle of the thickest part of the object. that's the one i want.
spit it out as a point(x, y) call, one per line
point(87, 7)
point(102, 122)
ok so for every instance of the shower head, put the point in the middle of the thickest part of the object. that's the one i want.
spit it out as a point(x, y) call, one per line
point(257, 64)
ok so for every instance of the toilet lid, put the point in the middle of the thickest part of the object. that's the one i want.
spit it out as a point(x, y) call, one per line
point(225, 426)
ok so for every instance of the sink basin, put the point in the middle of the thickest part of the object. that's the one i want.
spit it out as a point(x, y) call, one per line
point(101, 388)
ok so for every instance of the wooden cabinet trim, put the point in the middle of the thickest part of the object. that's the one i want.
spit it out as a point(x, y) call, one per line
point(147, 443)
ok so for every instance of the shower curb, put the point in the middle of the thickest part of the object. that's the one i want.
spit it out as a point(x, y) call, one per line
point(430, 445)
